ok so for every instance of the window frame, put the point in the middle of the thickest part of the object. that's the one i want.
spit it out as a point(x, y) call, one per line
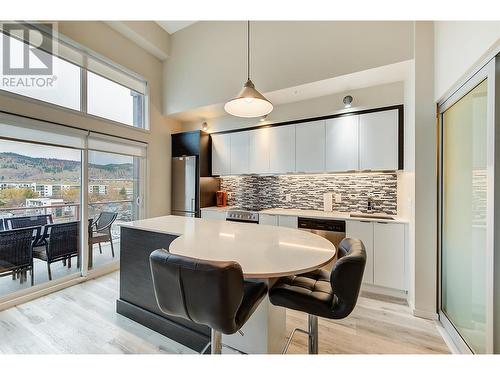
point(88, 54)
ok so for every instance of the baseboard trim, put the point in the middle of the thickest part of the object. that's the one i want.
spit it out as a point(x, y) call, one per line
point(56, 285)
point(425, 314)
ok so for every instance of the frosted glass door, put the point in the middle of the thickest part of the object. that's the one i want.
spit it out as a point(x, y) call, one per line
point(464, 216)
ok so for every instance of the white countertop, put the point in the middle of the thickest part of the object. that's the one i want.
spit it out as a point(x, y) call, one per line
point(262, 251)
point(336, 215)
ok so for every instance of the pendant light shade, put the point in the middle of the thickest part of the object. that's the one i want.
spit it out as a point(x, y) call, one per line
point(249, 102)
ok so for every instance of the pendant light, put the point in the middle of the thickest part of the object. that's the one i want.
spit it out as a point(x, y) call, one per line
point(249, 102)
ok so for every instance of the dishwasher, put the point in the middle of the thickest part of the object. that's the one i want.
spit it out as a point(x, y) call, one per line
point(332, 230)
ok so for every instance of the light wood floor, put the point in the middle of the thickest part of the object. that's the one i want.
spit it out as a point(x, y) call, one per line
point(82, 319)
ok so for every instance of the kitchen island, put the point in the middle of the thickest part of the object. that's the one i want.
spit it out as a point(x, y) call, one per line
point(264, 252)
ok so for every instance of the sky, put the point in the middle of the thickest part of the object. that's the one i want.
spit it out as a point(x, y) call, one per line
point(42, 151)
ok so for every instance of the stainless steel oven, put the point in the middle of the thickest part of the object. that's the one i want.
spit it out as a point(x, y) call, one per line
point(242, 216)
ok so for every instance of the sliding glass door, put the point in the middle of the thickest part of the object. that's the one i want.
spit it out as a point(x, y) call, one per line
point(39, 214)
point(466, 214)
point(114, 189)
point(63, 194)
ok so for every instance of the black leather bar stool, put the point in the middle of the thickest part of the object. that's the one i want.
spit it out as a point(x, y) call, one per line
point(319, 293)
point(205, 292)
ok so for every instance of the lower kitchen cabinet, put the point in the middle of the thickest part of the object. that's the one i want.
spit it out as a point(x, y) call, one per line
point(267, 219)
point(385, 252)
point(213, 215)
point(389, 260)
point(279, 220)
point(288, 221)
point(363, 230)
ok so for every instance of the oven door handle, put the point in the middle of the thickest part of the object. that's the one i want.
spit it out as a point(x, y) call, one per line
point(242, 221)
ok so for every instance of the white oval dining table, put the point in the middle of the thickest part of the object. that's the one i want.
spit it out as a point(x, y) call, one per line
point(263, 251)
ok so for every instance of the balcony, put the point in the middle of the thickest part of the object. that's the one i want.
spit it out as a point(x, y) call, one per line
point(62, 213)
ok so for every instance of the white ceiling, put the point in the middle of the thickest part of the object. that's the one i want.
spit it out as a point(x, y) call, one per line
point(173, 26)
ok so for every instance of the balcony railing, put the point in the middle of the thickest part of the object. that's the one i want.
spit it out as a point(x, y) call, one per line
point(71, 211)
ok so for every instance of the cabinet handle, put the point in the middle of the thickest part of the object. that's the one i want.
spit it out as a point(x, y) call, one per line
point(364, 221)
point(382, 222)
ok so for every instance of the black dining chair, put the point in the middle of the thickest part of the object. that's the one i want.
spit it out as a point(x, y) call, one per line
point(2, 225)
point(101, 230)
point(17, 222)
point(16, 255)
point(320, 293)
point(61, 242)
point(205, 292)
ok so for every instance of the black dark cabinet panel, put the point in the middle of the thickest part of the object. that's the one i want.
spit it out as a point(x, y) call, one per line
point(137, 300)
point(195, 143)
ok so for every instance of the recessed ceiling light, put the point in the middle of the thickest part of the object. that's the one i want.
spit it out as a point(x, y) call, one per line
point(347, 101)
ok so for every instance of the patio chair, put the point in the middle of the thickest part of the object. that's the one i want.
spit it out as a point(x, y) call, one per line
point(17, 222)
point(61, 243)
point(101, 231)
point(16, 255)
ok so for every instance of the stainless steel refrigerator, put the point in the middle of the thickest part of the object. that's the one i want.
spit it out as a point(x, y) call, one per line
point(190, 192)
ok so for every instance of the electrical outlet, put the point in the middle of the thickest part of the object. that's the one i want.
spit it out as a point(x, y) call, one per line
point(288, 197)
point(338, 198)
point(229, 195)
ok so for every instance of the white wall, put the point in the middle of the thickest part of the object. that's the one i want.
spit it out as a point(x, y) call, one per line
point(425, 255)
point(371, 97)
point(207, 63)
point(458, 45)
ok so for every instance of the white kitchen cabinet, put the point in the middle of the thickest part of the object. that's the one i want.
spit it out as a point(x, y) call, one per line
point(310, 147)
point(259, 151)
point(288, 221)
point(267, 219)
point(221, 154)
point(389, 260)
point(282, 149)
point(239, 152)
point(342, 136)
point(213, 215)
point(379, 140)
point(363, 230)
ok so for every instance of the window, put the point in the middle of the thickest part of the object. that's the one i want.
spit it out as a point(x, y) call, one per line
point(113, 101)
point(40, 199)
point(62, 88)
point(114, 194)
point(42, 190)
point(111, 92)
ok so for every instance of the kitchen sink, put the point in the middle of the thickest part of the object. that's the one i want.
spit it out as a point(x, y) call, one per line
point(372, 216)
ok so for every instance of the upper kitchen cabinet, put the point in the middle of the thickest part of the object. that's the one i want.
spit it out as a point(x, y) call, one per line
point(310, 147)
point(195, 143)
point(342, 146)
point(282, 149)
point(221, 154)
point(239, 152)
point(379, 140)
point(259, 151)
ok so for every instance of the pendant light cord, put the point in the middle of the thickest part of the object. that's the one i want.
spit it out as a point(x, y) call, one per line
point(248, 50)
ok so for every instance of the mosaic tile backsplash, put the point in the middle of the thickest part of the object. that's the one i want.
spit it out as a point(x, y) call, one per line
point(260, 192)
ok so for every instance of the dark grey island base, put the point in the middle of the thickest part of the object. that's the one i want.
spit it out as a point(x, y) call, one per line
point(137, 300)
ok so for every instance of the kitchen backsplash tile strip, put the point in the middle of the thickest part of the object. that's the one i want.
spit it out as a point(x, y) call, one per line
point(260, 192)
